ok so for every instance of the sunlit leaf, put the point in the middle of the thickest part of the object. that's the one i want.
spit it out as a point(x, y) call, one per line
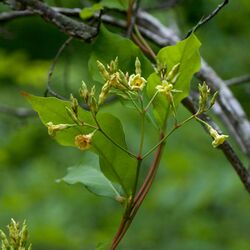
point(93, 179)
point(51, 109)
point(116, 164)
point(90, 11)
point(187, 54)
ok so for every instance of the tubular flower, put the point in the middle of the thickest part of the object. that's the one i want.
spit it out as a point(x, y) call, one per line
point(136, 82)
point(218, 139)
point(53, 128)
point(83, 142)
point(165, 87)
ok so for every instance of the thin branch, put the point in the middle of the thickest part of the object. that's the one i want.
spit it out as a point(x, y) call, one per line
point(207, 18)
point(52, 67)
point(8, 16)
point(133, 18)
point(238, 80)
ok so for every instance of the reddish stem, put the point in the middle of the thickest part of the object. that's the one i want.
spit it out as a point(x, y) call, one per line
point(126, 221)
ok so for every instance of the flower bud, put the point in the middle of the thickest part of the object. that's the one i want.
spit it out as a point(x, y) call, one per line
point(93, 105)
point(123, 78)
point(84, 93)
point(53, 128)
point(213, 99)
point(173, 74)
point(113, 67)
point(203, 98)
point(103, 70)
point(74, 104)
point(72, 115)
point(5, 242)
point(137, 66)
point(104, 93)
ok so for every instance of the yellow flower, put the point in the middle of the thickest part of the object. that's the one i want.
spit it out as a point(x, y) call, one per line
point(83, 142)
point(136, 82)
point(53, 128)
point(218, 139)
point(165, 87)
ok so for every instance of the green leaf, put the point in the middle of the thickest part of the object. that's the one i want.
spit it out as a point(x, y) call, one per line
point(90, 11)
point(116, 164)
point(115, 4)
point(108, 46)
point(51, 109)
point(187, 54)
point(93, 179)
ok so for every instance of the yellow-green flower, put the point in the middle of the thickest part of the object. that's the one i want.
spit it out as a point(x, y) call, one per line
point(53, 128)
point(136, 82)
point(83, 142)
point(165, 87)
point(218, 139)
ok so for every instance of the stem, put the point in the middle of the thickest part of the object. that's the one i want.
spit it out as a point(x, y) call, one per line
point(125, 223)
point(138, 167)
point(110, 139)
point(144, 42)
point(89, 125)
point(142, 134)
point(166, 136)
point(151, 170)
point(134, 103)
point(151, 100)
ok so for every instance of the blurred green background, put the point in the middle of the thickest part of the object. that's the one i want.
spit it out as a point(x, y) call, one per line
point(197, 201)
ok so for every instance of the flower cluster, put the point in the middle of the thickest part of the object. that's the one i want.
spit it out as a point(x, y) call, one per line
point(18, 237)
point(168, 80)
point(119, 81)
point(204, 103)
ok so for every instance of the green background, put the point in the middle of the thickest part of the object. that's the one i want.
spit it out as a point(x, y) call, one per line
point(197, 201)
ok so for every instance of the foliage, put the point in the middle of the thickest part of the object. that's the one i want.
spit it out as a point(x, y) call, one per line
point(61, 217)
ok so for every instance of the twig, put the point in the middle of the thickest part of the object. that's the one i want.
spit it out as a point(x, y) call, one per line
point(52, 67)
point(207, 18)
point(132, 20)
point(238, 80)
point(7, 16)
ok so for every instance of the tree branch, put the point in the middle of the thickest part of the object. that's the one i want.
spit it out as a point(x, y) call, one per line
point(228, 151)
point(52, 67)
point(238, 80)
point(65, 24)
point(228, 108)
point(232, 115)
